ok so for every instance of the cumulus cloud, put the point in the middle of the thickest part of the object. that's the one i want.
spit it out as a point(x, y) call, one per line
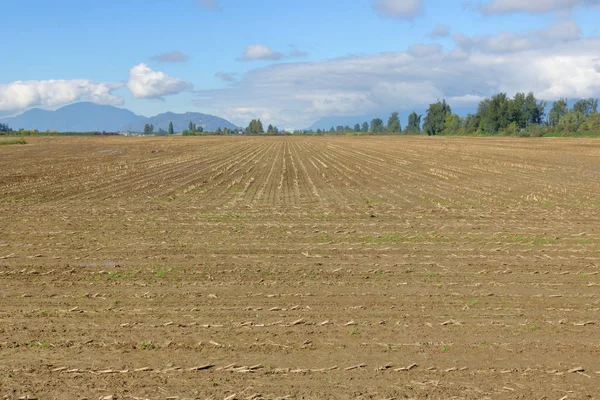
point(147, 83)
point(172, 57)
point(440, 30)
point(297, 94)
point(212, 5)
point(21, 95)
point(533, 6)
point(398, 9)
point(262, 52)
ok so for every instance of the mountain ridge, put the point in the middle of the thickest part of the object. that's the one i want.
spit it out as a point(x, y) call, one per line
point(91, 117)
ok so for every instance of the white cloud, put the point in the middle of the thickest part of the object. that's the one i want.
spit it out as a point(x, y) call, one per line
point(398, 9)
point(172, 57)
point(146, 83)
point(212, 5)
point(260, 52)
point(425, 50)
point(507, 42)
point(440, 30)
point(21, 95)
point(297, 94)
point(533, 6)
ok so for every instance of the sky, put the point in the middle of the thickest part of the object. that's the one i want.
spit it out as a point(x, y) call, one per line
point(292, 62)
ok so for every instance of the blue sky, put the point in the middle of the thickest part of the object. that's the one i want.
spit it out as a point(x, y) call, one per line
point(292, 62)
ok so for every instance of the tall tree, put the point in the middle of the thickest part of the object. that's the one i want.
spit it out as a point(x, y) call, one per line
point(255, 127)
point(270, 129)
point(377, 126)
point(436, 117)
point(357, 128)
point(393, 125)
point(414, 123)
point(518, 110)
point(171, 130)
point(259, 127)
point(586, 107)
point(365, 127)
point(559, 108)
point(535, 111)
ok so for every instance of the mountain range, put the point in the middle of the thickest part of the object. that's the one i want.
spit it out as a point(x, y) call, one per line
point(90, 117)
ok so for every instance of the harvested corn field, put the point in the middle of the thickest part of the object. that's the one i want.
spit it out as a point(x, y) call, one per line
point(292, 267)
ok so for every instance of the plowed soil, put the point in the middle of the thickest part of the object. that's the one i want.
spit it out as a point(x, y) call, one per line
point(306, 268)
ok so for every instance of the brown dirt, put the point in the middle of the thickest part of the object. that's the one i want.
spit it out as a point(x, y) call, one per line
point(368, 268)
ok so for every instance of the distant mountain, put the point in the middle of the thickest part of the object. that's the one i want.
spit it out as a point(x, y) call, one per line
point(78, 117)
point(182, 121)
point(90, 117)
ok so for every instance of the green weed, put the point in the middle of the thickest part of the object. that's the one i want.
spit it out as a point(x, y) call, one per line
point(146, 346)
point(14, 141)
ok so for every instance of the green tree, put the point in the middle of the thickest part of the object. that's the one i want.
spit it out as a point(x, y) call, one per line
point(357, 128)
point(148, 129)
point(414, 123)
point(517, 110)
point(332, 130)
point(494, 114)
point(436, 118)
point(571, 122)
point(171, 130)
point(452, 124)
point(270, 129)
point(377, 126)
point(365, 127)
point(393, 125)
point(535, 110)
point(586, 107)
point(472, 122)
point(559, 108)
point(4, 128)
point(219, 131)
point(255, 127)
point(339, 129)
point(592, 123)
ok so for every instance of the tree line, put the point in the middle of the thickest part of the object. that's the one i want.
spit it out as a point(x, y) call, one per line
point(521, 115)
